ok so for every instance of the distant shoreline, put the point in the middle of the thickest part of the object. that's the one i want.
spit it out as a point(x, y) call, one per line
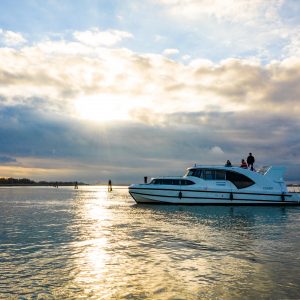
point(51, 185)
point(61, 185)
point(88, 184)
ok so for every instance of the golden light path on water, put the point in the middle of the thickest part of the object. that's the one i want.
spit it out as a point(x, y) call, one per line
point(128, 255)
point(91, 244)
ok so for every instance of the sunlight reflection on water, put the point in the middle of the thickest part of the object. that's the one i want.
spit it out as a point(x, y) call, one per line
point(90, 244)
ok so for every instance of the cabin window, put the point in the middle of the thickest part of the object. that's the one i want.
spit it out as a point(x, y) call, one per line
point(194, 172)
point(189, 173)
point(208, 174)
point(213, 174)
point(172, 181)
point(198, 173)
point(239, 180)
point(186, 182)
point(167, 181)
point(220, 175)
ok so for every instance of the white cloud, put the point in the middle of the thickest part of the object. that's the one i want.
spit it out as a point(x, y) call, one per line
point(240, 28)
point(10, 38)
point(230, 9)
point(96, 38)
point(170, 51)
point(147, 87)
point(216, 150)
point(159, 38)
point(293, 47)
point(186, 57)
point(203, 109)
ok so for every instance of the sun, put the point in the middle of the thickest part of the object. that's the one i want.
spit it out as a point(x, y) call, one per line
point(102, 108)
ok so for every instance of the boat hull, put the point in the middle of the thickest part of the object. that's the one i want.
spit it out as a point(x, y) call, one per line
point(204, 197)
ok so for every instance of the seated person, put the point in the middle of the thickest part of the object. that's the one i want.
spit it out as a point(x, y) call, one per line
point(244, 164)
point(228, 164)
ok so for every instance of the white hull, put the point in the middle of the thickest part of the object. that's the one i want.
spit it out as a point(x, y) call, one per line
point(211, 197)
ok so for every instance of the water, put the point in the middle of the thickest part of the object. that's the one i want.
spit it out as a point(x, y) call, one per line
point(89, 244)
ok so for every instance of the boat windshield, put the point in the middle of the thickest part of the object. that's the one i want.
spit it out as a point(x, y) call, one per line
point(263, 170)
point(207, 174)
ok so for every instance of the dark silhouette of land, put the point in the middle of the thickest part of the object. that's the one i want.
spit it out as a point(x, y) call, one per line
point(26, 181)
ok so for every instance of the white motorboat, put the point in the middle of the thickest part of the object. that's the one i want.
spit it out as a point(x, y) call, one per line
point(218, 185)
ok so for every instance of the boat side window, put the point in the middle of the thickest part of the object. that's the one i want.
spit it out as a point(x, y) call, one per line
point(189, 182)
point(167, 181)
point(220, 175)
point(172, 181)
point(198, 173)
point(186, 182)
point(239, 180)
point(157, 181)
point(208, 174)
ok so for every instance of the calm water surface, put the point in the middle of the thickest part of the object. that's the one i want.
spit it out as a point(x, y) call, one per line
point(89, 244)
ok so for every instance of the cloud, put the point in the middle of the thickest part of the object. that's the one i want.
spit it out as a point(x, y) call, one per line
point(216, 150)
point(230, 9)
point(178, 114)
point(6, 159)
point(48, 146)
point(97, 38)
point(242, 28)
point(186, 57)
point(62, 76)
point(138, 82)
point(10, 38)
point(293, 47)
point(170, 51)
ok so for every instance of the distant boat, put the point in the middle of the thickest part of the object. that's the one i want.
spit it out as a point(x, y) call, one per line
point(219, 185)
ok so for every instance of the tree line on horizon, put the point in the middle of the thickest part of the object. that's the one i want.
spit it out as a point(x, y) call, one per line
point(26, 181)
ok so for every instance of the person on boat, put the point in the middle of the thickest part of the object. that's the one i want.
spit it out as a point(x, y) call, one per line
point(228, 163)
point(244, 164)
point(250, 161)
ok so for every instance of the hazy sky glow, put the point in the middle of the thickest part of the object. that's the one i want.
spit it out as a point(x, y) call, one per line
point(91, 90)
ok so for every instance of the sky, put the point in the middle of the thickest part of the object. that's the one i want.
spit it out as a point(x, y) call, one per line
point(95, 90)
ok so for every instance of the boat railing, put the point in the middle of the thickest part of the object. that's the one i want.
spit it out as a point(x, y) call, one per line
point(262, 170)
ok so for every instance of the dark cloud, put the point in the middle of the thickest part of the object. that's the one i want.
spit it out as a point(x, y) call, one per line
point(7, 159)
point(181, 114)
point(128, 151)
